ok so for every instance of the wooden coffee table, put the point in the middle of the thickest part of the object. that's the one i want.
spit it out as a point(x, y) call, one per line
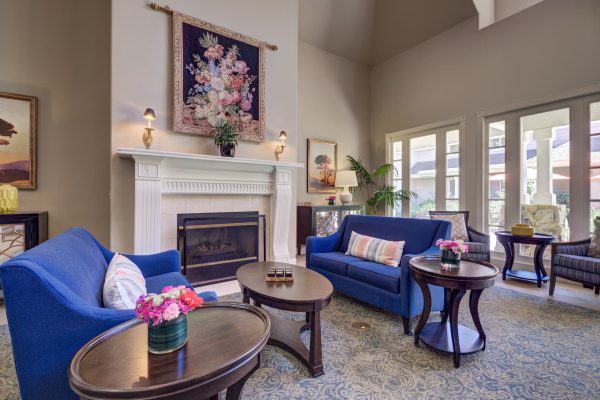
point(310, 292)
point(223, 350)
point(451, 337)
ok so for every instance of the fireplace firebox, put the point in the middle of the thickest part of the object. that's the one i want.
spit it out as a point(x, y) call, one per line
point(214, 245)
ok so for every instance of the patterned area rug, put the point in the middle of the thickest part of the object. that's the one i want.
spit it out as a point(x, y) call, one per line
point(537, 349)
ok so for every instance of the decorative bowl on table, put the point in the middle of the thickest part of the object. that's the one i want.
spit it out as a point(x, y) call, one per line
point(522, 230)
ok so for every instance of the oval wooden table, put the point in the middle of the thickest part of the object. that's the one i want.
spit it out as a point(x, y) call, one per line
point(540, 241)
point(310, 292)
point(223, 350)
point(452, 337)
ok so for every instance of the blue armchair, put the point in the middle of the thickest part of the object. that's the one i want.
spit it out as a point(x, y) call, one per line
point(392, 289)
point(53, 296)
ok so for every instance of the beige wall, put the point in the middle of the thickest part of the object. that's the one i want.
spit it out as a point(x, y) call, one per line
point(142, 76)
point(333, 104)
point(59, 51)
point(548, 49)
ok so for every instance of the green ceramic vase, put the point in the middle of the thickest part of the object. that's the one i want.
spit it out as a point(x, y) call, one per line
point(450, 258)
point(168, 336)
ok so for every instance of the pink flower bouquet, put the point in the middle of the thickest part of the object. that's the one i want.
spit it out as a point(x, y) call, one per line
point(168, 305)
point(455, 246)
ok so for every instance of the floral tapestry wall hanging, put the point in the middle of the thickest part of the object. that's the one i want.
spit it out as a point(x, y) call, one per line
point(219, 77)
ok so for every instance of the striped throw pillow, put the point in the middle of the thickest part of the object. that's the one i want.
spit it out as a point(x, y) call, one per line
point(373, 249)
point(123, 284)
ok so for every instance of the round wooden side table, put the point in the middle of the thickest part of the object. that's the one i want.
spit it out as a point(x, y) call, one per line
point(310, 292)
point(452, 337)
point(223, 350)
point(540, 241)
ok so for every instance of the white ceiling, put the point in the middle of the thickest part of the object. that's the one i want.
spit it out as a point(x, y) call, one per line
point(371, 31)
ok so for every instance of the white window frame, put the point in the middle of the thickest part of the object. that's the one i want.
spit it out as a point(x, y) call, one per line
point(439, 129)
point(579, 186)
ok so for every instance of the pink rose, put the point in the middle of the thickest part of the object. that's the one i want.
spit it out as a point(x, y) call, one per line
point(246, 105)
point(171, 312)
point(237, 82)
point(236, 97)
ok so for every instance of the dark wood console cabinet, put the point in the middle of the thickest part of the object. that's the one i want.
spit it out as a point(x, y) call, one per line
point(321, 220)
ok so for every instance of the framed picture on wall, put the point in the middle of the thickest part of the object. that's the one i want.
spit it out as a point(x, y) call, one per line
point(219, 77)
point(18, 136)
point(321, 165)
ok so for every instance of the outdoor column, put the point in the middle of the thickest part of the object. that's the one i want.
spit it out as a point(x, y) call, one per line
point(544, 140)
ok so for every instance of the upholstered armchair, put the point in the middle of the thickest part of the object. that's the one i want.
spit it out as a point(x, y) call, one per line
point(479, 243)
point(53, 296)
point(570, 261)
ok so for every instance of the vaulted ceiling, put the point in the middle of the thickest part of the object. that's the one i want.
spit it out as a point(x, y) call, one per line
point(371, 31)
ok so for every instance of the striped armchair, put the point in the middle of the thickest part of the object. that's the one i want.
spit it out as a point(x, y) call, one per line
point(570, 261)
point(479, 243)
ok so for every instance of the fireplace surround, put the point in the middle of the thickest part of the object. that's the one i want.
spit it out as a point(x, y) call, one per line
point(195, 179)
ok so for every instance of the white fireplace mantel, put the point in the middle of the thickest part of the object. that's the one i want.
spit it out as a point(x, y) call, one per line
point(159, 173)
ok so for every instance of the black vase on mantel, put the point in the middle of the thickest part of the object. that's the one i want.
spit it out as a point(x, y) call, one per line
point(227, 150)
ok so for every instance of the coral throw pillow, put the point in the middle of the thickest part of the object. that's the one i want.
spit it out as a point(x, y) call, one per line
point(373, 249)
point(123, 284)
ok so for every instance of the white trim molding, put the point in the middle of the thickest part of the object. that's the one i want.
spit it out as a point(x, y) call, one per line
point(160, 173)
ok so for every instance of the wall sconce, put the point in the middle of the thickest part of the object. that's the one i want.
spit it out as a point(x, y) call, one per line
point(281, 146)
point(147, 136)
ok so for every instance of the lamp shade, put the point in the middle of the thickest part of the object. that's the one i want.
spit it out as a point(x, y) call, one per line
point(345, 178)
point(149, 114)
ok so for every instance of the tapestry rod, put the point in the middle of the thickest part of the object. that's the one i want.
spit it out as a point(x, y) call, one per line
point(168, 10)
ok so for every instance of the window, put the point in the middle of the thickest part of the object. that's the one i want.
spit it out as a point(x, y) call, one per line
point(397, 179)
point(594, 163)
point(496, 180)
point(545, 174)
point(422, 175)
point(452, 170)
point(427, 164)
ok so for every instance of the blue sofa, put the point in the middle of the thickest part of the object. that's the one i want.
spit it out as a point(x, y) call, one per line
point(390, 288)
point(53, 296)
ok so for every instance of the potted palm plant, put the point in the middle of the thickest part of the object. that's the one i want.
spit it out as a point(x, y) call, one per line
point(374, 185)
point(226, 139)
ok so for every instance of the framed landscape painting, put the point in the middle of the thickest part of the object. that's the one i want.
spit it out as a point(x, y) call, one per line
point(18, 117)
point(219, 77)
point(321, 166)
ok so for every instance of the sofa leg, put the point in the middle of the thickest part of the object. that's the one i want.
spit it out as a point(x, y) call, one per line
point(597, 291)
point(552, 284)
point(406, 323)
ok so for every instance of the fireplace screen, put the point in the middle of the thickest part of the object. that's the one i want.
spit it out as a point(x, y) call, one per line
point(214, 245)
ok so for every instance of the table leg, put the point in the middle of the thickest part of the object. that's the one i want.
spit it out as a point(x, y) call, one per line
point(316, 349)
point(538, 261)
point(426, 309)
point(509, 249)
point(474, 307)
point(454, 325)
point(234, 392)
point(245, 297)
point(447, 302)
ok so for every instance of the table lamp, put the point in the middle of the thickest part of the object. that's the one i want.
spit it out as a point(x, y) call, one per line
point(345, 179)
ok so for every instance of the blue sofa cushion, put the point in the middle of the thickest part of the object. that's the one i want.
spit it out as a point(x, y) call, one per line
point(155, 284)
point(75, 260)
point(335, 262)
point(378, 275)
point(419, 234)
